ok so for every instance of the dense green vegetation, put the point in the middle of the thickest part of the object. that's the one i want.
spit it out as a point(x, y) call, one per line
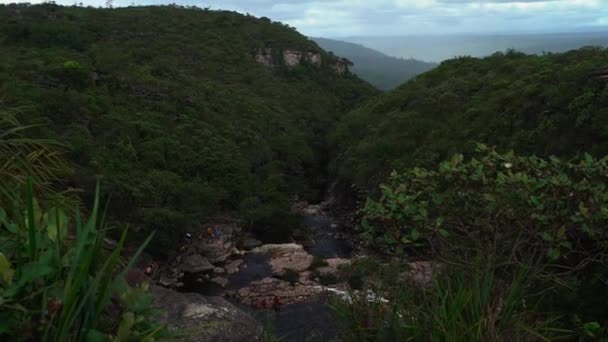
point(384, 72)
point(169, 105)
point(171, 109)
point(539, 105)
point(522, 234)
point(520, 243)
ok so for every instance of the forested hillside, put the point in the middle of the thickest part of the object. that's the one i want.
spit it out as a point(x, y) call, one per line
point(384, 72)
point(185, 113)
point(543, 105)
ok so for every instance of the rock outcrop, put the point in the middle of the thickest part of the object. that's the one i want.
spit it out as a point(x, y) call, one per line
point(313, 58)
point(264, 57)
point(341, 65)
point(286, 256)
point(265, 292)
point(194, 318)
point(290, 57)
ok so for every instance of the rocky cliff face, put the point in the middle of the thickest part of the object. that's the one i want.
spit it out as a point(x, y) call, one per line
point(291, 58)
point(341, 66)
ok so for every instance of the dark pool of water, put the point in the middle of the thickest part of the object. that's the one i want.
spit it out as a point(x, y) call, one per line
point(254, 267)
point(329, 247)
point(321, 242)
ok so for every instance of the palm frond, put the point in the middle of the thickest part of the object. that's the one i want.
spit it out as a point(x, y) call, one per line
point(22, 156)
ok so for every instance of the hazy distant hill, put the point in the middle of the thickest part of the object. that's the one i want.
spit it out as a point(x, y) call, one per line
point(439, 48)
point(383, 71)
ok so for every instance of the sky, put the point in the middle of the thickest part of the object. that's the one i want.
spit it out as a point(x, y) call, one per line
point(345, 18)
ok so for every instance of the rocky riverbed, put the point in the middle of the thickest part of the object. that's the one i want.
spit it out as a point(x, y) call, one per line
point(276, 283)
point(223, 277)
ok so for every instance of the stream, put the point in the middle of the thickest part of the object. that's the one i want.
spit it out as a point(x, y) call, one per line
point(304, 321)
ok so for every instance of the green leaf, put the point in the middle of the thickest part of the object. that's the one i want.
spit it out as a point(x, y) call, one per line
point(547, 237)
point(591, 328)
point(415, 234)
point(57, 223)
point(6, 270)
point(553, 254)
point(124, 329)
point(561, 233)
point(583, 210)
point(95, 336)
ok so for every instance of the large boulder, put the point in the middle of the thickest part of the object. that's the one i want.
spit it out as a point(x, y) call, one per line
point(195, 263)
point(286, 256)
point(194, 318)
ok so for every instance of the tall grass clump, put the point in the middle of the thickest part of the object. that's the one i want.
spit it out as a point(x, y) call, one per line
point(58, 283)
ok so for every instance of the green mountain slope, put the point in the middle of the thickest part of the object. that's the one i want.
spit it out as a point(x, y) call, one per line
point(183, 112)
point(384, 72)
point(551, 104)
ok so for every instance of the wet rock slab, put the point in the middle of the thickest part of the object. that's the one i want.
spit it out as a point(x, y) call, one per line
point(194, 318)
point(264, 293)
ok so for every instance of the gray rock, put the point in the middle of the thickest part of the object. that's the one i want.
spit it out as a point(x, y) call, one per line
point(192, 317)
point(250, 243)
point(221, 281)
point(233, 267)
point(286, 256)
point(195, 263)
point(167, 281)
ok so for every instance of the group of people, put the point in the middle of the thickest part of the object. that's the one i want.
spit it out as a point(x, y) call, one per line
point(274, 304)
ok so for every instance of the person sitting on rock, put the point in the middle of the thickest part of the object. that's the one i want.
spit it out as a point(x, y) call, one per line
point(213, 233)
point(276, 305)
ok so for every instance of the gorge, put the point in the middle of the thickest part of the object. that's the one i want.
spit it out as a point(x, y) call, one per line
point(178, 173)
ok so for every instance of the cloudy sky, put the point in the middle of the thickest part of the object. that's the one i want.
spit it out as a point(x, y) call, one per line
point(343, 18)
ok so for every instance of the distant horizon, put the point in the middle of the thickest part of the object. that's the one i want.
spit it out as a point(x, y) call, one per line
point(340, 19)
point(603, 29)
point(438, 48)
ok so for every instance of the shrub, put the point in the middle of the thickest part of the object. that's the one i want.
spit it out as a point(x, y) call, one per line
point(517, 208)
point(291, 276)
point(317, 262)
point(548, 216)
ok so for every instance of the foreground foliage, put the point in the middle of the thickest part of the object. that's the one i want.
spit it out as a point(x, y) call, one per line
point(462, 304)
point(57, 283)
point(22, 156)
point(509, 230)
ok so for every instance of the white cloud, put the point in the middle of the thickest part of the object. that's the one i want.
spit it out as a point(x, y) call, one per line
point(400, 17)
